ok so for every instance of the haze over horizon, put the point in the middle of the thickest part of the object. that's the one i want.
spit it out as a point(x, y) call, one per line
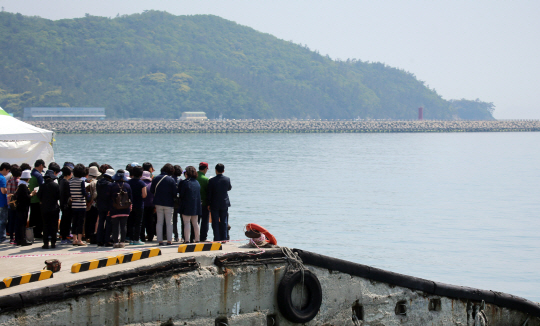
point(483, 49)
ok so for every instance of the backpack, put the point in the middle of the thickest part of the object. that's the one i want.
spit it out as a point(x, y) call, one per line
point(91, 189)
point(121, 201)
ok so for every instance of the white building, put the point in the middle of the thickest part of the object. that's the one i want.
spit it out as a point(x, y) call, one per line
point(191, 116)
point(62, 113)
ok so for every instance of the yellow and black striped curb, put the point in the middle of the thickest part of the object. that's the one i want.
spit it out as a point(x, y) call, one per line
point(138, 254)
point(93, 264)
point(27, 278)
point(199, 247)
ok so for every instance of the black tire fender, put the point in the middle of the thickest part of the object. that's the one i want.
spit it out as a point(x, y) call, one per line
point(314, 296)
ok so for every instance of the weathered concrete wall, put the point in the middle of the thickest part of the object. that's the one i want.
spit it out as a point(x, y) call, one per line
point(246, 295)
point(284, 126)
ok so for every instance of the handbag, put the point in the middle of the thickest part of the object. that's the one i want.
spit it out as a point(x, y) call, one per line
point(13, 200)
point(155, 189)
point(91, 201)
point(30, 234)
point(53, 265)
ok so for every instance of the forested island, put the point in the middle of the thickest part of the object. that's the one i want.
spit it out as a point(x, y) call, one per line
point(156, 65)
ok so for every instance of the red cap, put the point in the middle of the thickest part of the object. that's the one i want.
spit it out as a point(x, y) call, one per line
point(203, 165)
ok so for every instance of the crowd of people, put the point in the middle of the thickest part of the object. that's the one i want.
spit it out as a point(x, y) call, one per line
point(95, 204)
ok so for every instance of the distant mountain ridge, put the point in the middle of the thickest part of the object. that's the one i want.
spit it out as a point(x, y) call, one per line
point(157, 65)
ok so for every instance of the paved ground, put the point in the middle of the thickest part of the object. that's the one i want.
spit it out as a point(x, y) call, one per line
point(19, 260)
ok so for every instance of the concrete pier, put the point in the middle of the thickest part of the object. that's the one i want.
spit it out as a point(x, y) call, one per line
point(285, 126)
point(238, 286)
point(31, 258)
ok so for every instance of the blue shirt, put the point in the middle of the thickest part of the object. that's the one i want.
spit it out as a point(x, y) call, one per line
point(3, 197)
point(136, 192)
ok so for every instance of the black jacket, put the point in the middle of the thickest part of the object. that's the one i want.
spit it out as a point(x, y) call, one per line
point(65, 193)
point(23, 198)
point(102, 187)
point(49, 194)
point(190, 197)
point(217, 197)
point(166, 190)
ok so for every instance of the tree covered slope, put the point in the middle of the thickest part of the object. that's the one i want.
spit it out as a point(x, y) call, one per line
point(157, 65)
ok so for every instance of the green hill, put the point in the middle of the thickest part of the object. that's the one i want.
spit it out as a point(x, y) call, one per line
point(157, 65)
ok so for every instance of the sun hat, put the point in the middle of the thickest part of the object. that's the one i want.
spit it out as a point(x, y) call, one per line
point(26, 174)
point(94, 172)
point(69, 165)
point(127, 175)
point(134, 164)
point(50, 174)
point(119, 176)
point(110, 172)
point(146, 175)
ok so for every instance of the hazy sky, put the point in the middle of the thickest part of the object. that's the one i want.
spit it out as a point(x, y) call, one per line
point(486, 49)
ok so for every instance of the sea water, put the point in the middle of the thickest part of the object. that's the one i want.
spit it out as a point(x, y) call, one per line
point(458, 208)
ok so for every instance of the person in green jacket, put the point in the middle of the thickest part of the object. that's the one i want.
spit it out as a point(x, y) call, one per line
point(204, 219)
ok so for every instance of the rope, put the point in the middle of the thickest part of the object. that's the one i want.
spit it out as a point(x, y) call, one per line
point(295, 263)
point(293, 259)
point(224, 241)
point(260, 239)
point(259, 253)
point(481, 318)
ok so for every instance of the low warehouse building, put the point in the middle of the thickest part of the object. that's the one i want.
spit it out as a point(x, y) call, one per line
point(63, 113)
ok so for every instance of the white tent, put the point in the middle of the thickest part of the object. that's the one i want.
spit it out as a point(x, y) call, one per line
point(21, 142)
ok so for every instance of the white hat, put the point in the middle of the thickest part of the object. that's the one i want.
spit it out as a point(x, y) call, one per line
point(110, 172)
point(94, 172)
point(26, 174)
point(146, 176)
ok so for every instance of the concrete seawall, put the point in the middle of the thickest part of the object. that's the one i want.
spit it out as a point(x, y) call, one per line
point(284, 126)
point(242, 288)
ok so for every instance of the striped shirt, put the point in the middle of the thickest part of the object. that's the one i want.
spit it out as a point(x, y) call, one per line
point(78, 193)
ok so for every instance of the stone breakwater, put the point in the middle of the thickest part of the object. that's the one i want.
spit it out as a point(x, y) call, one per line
point(283, 126)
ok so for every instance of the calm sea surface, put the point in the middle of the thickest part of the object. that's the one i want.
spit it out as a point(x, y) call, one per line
point(459, 208)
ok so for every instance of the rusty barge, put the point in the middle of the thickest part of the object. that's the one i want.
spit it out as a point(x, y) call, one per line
point(239, 286)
